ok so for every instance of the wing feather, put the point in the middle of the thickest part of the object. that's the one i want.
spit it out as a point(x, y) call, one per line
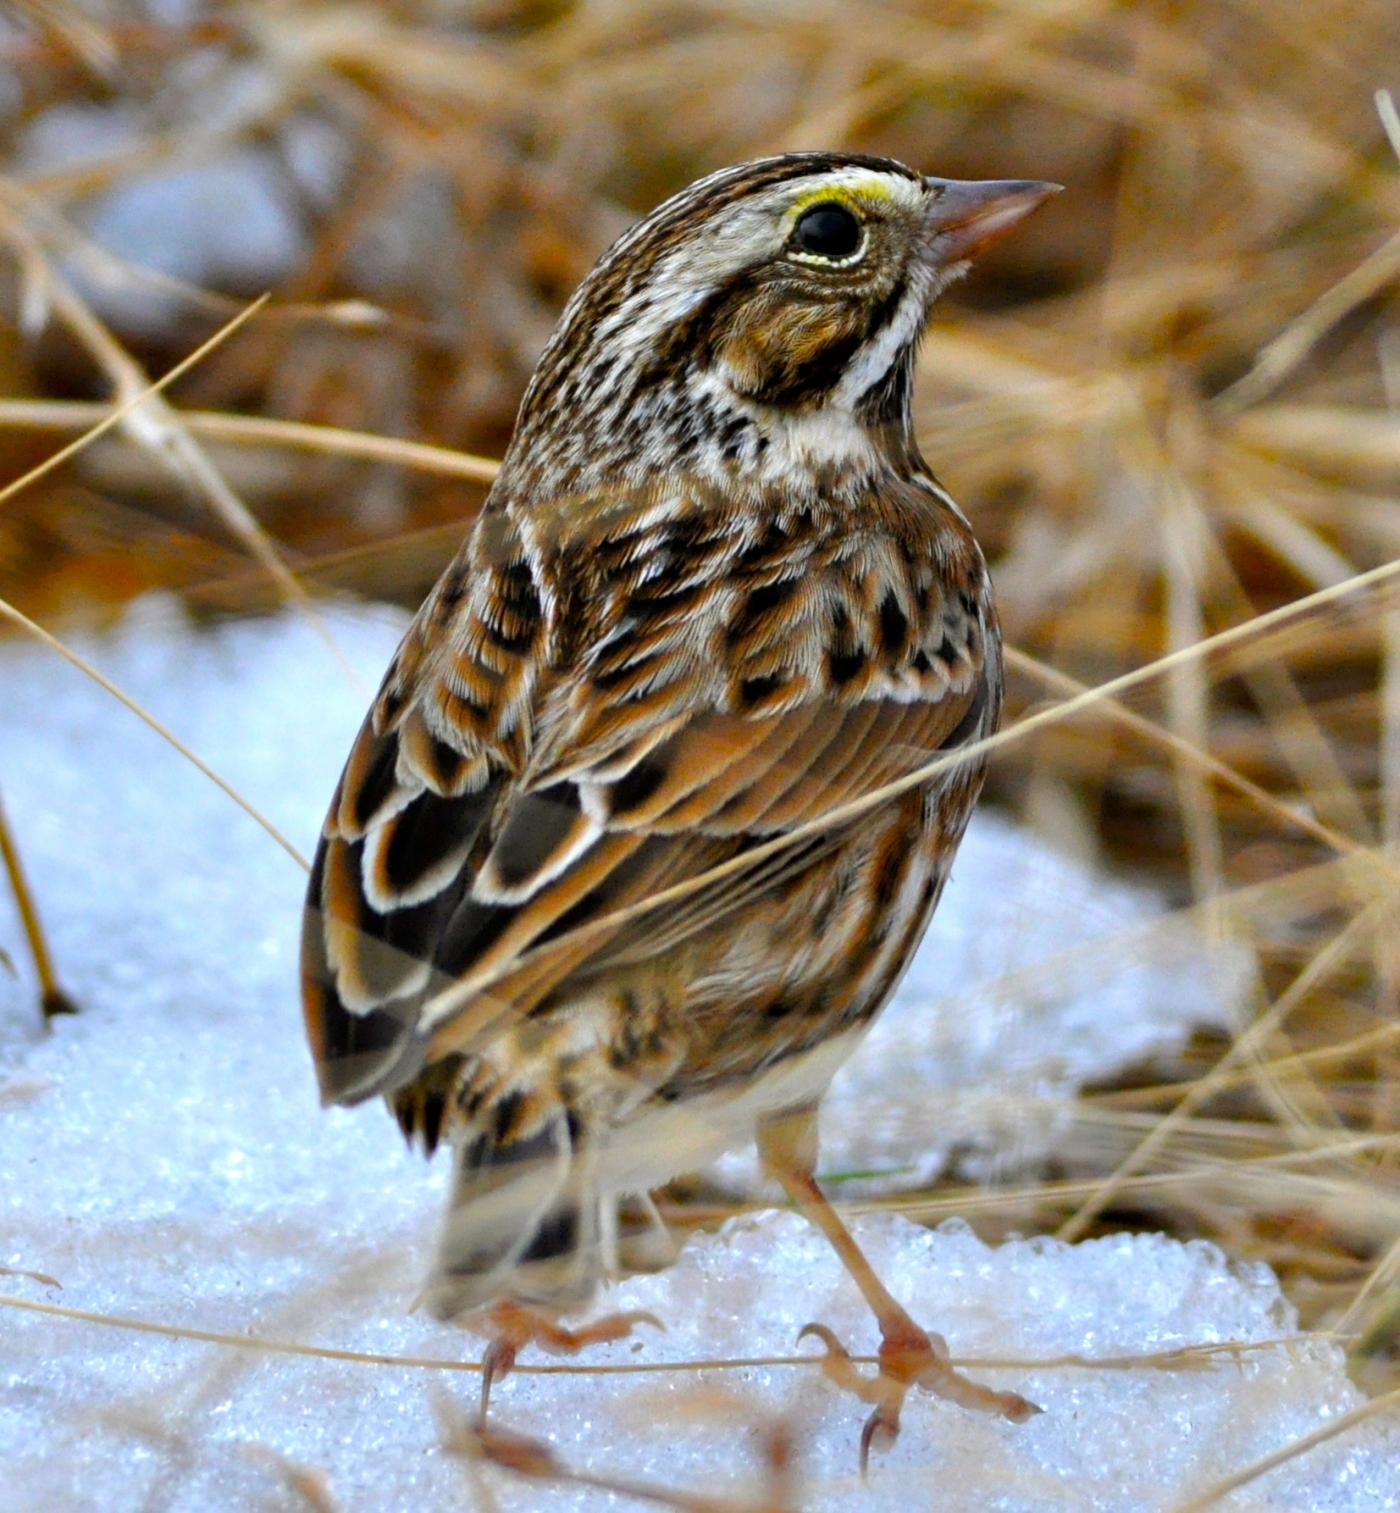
point(502, 795)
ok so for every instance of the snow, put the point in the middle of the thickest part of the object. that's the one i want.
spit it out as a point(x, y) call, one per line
point(162, 1156)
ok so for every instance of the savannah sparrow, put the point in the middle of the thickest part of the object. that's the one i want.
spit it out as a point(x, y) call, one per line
point(597, 896)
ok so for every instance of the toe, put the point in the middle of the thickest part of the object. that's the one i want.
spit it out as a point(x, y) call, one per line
point(908, 1354)
point(938, 1377)
point(838, 1367)
point(614, 1326)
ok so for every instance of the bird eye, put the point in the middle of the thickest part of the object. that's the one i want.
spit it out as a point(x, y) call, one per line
point(827, 231)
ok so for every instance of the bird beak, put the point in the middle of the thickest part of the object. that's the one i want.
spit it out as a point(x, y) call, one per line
point(967, 216)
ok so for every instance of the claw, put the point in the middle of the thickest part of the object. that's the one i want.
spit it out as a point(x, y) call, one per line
point(788, 1145)
point(496, 1361)
point(875, 1424)
point(827, 1337)
point(511, 1326)
point(615, 1326)
point(908, 1355)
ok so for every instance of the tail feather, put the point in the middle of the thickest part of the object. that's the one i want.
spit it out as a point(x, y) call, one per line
point(522, 1223)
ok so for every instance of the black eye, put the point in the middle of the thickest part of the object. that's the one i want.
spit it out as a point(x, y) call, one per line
point(827, 231)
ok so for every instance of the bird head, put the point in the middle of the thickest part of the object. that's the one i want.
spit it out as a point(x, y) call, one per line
point(763, 323)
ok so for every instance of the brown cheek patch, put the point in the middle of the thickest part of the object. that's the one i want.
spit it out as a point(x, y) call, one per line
point(791, 355)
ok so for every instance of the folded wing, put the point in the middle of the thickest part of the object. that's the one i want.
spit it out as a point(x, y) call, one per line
point(515, 811)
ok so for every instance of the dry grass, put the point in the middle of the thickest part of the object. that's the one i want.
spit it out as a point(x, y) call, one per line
point(1171, 406)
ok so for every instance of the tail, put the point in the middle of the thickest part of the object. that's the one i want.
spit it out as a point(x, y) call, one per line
point(523, 1220)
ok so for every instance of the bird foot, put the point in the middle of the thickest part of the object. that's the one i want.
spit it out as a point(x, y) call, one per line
point(512, 1326)
point(908, 1356)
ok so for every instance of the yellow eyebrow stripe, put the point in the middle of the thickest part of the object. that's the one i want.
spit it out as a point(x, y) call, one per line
point(856, 193)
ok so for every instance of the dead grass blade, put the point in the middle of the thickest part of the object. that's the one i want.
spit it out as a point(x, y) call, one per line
point(257, 430)
point(116, 416)
point(1288, 349)
point(1187, 693)
point(1291, 346)
point(52, 997)
point(150, 421)
point(1020, 661)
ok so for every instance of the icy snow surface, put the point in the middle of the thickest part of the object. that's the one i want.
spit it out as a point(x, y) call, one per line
point(163, 1157)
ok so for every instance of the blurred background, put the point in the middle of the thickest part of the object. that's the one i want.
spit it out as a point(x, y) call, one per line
point(1169, 404)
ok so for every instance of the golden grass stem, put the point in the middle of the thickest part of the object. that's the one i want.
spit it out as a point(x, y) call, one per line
point(1344, 1050)
point(257, 430)
point(1187, 692)
point(1114, 709)
point(1303, 1191)
point(1390, 728)
point(1292, 723)
point(1327, 960)
point(1330, 438)
point(1186, 1357)
point(51, 994)
point(1390, 118)
point(1382, 1274)
point(1291, 346)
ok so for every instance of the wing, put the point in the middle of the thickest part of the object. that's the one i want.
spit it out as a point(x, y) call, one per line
point(588, 719)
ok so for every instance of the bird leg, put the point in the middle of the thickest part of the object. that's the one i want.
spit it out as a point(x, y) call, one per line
point(788, 1148)
point(510, 1326)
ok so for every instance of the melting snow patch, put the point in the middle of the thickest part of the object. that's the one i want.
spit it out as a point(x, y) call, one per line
point(163, 1157)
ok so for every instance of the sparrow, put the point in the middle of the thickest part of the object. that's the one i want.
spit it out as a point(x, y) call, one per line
point(636, 839)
